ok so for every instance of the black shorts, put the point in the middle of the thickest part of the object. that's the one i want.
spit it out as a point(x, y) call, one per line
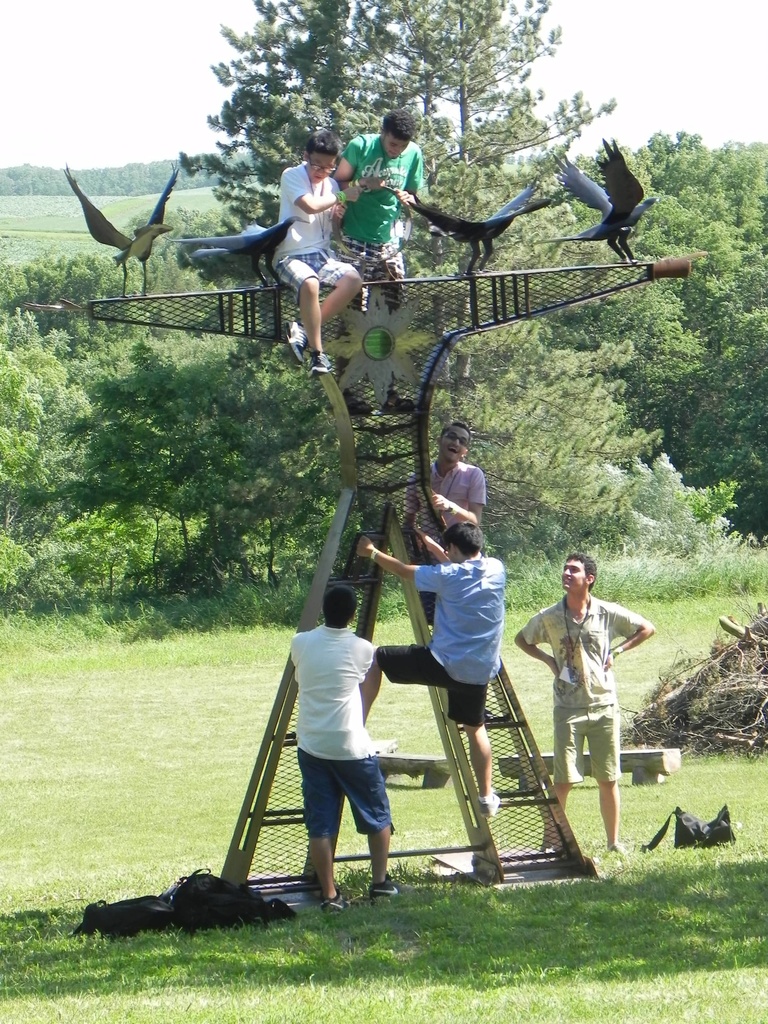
point(416, 664)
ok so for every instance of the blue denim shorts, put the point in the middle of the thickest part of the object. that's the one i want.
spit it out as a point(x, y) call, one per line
point(325, 783)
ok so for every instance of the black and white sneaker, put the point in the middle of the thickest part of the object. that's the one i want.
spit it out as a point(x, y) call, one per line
point(334, 904)
point(385, 888)
point(320, 363)
point(296, 337)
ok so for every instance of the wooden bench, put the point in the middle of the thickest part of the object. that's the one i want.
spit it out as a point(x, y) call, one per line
point(384, 746)
point(434, 768)
point(648, 767)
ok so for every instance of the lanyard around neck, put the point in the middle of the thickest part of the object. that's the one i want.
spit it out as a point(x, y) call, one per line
point(571, 646)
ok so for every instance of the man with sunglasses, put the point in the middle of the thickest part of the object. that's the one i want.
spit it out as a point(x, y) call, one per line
point(303, 261)
point(458, 488)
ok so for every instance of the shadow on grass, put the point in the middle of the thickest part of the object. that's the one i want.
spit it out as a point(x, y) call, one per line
point(696, 914)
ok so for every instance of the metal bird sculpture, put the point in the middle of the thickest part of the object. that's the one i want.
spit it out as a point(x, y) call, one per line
point(621, 203)
point(255, 241)
point(483, 231)
point(140, 245)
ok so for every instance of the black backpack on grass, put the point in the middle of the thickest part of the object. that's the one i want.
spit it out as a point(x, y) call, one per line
point(194, 903)
point(126, 917)
point(203, 900)
point(692, 831)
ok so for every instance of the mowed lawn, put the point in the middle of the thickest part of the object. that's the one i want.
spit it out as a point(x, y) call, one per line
point(123, 765)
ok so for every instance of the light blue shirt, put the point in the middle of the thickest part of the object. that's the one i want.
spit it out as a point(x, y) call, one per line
point(469, 616)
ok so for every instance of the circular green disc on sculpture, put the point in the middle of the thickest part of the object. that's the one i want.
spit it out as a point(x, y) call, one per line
point(378, 343)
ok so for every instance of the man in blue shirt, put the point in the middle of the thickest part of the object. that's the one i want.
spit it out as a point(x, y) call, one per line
point(465, 652)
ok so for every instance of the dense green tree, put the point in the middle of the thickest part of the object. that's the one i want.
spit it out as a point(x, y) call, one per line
point(549, 424)
point(213, 446)
point(38, 401)
point(698, 346)
point(293, 73)
point(130, 180)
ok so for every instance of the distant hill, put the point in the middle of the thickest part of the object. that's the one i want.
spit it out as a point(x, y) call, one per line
point(31, 225)
point(131, 180)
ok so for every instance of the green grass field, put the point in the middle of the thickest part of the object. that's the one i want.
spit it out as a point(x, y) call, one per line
point(33, 226)
point(124, 765)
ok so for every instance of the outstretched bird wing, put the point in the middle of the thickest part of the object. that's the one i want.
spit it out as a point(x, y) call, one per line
point(201, 254)
point(227, 243)
point(623, 188)
point(518, 206)
point(98, 225)
point(582, 187)
point(158, 214)
point(467, 230)
point(442, 223)
point(253, 237)
point(255, 241)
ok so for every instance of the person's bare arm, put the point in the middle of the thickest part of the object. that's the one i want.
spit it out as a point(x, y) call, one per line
point(641, 634)
point(318, 204)
point(344, 173)
point(366, 549)
point(431, 545)
point(536, 652)
point(473, 514)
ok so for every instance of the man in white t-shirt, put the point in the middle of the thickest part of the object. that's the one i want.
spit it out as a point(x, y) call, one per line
point(303, 260)
point(336, 756)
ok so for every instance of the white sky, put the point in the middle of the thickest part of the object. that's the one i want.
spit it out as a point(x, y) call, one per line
point(94, 83)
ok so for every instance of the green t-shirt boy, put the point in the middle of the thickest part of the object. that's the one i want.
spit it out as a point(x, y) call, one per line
point(390, 156)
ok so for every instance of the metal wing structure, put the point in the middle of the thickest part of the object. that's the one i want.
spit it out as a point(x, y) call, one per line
point(254, 241)
point(484, 231)
point(620, 203)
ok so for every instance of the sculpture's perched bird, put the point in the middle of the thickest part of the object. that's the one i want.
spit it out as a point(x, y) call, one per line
point(255, 241)
point(482, 231)
point(140, 245)
point(621, 203)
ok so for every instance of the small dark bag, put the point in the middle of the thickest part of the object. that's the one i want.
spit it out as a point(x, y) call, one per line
point(126, 917)
point(692, 831)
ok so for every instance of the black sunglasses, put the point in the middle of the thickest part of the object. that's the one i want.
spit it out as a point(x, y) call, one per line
point(463, 441)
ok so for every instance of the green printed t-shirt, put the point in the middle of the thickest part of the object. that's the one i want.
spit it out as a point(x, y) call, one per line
point(370, 219)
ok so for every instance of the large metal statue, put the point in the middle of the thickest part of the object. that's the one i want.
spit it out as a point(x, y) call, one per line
point(388, 359)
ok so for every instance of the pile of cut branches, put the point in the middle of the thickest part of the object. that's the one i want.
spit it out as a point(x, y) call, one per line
point(716, 706)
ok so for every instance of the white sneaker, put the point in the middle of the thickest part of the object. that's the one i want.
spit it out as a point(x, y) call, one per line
point(296, 337)
point(320, 363)
point(617, 848)
point(489, 805)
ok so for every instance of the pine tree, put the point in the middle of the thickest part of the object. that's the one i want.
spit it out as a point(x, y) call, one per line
point(292, 74)
point(463, 66)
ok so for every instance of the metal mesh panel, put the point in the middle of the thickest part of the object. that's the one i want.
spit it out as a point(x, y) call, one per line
point(282, 847)
point(246, 312)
